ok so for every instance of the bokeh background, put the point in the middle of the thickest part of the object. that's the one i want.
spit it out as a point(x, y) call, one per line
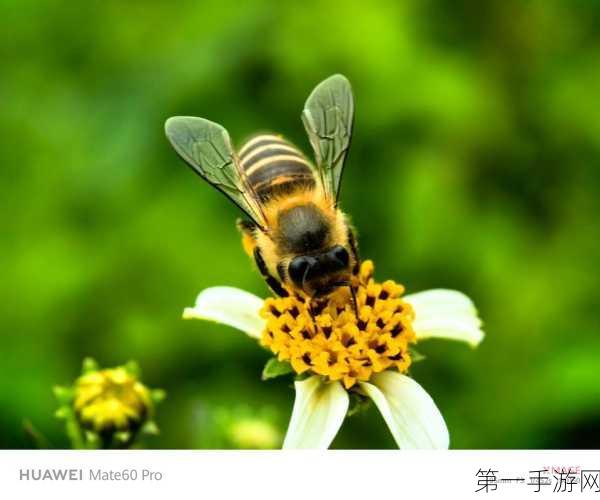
point(474, 166)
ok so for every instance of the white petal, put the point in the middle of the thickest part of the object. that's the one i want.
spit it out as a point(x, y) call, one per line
point(410, 413)
point(445, 314)
point(229, 306)
point(319, 410)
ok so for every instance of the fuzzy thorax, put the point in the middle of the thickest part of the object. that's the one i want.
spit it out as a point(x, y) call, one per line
point(331, 341)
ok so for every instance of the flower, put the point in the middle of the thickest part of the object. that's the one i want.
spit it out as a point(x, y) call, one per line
point(111, 399)
point(336, 349)
point(107, 407)
point(339, 344)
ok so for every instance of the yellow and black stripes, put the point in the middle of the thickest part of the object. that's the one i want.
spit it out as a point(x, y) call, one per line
point(272, 166)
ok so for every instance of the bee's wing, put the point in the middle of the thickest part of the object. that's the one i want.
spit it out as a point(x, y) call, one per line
point(328, 117)
point(206, 147)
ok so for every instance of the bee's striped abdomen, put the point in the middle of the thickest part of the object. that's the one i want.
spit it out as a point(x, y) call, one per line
point(273, 166)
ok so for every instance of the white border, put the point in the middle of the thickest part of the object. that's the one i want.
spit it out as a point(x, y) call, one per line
point(289, 475)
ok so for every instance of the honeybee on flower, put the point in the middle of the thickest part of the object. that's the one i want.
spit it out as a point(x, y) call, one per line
point(330, 322)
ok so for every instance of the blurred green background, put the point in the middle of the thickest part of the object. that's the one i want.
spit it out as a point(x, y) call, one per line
point(474, 166)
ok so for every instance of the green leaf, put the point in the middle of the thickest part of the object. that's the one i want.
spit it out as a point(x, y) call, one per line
point(275, 368)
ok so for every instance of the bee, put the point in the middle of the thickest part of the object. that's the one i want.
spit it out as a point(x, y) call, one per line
point(299, 238)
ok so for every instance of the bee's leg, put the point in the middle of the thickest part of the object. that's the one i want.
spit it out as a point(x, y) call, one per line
point(245, 225)
point(311, 312)
point(354, 249)
point(355, 269)
point(247, 229)
point(354, 303)
point(273, 283)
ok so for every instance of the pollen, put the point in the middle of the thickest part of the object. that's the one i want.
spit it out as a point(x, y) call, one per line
point(111, 399)
point(326, 337)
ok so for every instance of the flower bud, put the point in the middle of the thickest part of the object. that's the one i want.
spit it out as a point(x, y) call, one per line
point(107, 407)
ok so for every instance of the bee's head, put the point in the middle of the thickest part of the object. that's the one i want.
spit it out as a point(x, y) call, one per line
point(319, 274)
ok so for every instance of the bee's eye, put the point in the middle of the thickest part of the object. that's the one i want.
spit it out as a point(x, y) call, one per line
point(298, 269)
point(340, 255)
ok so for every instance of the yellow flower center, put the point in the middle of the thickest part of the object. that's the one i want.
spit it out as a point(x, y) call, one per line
point(111, 399)
point(325, 336)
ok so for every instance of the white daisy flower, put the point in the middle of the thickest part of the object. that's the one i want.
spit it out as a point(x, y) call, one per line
point(338, 352)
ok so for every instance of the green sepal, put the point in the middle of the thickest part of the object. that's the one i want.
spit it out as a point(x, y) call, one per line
point(358, 403)
point(64, 395)
point(416, 356)
point(133, 368)
point(275, 368)
point(299, 377)
point(150, 428)
point(92, 439)
point(89, 365)
point(63, 413)
point(123, 436)
point(157, 395)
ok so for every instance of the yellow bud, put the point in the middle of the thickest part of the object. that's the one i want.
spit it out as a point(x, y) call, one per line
point(111, 400)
